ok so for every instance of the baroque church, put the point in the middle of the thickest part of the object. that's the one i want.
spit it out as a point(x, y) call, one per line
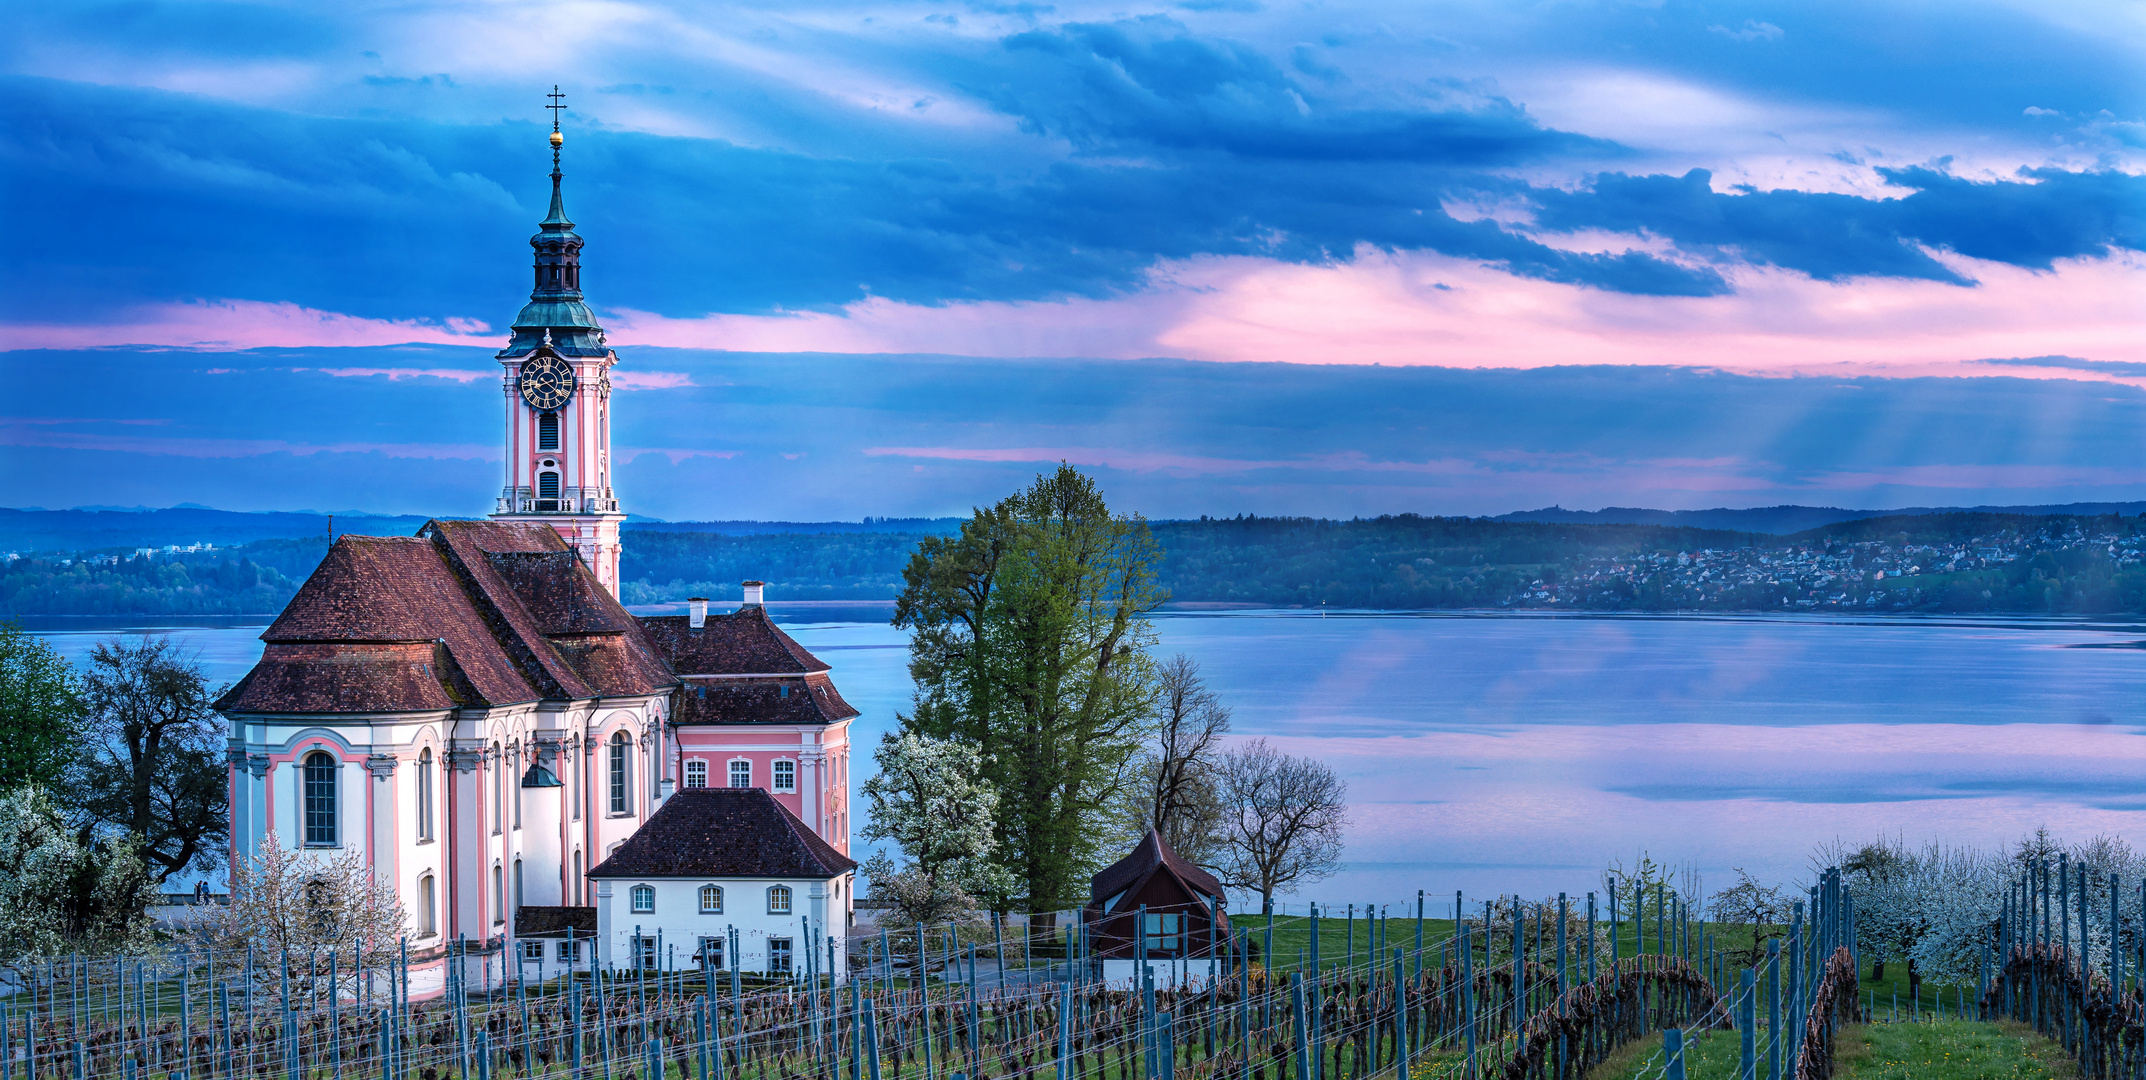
point(472, 711)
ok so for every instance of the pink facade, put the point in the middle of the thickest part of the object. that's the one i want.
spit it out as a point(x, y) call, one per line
point(805, 767)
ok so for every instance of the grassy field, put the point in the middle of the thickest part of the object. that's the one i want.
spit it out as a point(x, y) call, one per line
point(1938, 1050)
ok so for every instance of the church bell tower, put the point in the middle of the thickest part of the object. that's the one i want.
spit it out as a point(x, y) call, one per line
point(558, 396)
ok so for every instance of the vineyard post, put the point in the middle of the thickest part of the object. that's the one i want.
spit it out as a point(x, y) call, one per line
point(1520, 967)
point(1795, 982)
point(1303, 1043)
point(924, 1002)
point(2116, 953)
point(1400, 1020)
point(998, 937)
point(1065, 1035)
point(1748, 1021)
point(1773, 1009)
point(335, 1017)
point(1673, 1053)
point(871, 1040)
point(1467, 997)
point(186, 1016)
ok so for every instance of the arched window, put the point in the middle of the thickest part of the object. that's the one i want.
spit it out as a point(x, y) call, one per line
point(644, 899)
point(513, 780)
point(518, 901)
point(548, 431)
point(577, 875)
point(711, 899)
point(499, 894)
point(741, 774)
point(621, 767)
point(499, 788)
point(424, 794)
point(547, 485)
point(427, 908)
point(320, 773)
point(778, 900)
point(786, 775)
point(696, 774)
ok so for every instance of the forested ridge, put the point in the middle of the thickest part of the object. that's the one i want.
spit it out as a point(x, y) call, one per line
point(1962, 562)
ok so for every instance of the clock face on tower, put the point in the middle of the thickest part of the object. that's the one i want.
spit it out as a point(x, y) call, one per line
point(547, 382)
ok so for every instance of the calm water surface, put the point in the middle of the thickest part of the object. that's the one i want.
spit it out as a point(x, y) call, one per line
point(1500, 753)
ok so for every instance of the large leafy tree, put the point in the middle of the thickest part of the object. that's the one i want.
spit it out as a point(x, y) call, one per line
point(40, 702)
point(1028, 641)
point(152, 756)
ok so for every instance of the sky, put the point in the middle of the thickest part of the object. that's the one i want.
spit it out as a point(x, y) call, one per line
point(1232, 255)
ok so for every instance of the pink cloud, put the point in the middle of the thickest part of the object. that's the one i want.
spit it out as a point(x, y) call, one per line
point(24, 434)
point(1420, 308)
point(1499, 468)
point(650, 380)
point(245, 324)
point(397, 374)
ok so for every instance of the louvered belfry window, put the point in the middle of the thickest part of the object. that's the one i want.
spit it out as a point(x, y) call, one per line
point(548, 431)
point(547, 485)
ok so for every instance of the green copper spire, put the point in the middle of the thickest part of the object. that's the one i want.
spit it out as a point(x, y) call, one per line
point(555, 307)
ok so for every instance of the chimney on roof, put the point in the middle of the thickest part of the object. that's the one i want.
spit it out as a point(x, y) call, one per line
point(698, 608)
point(753, 592)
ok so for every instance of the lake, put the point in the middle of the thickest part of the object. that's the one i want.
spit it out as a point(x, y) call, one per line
point(1498, 753)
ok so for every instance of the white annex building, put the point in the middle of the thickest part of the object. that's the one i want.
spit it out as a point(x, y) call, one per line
point(471, 708)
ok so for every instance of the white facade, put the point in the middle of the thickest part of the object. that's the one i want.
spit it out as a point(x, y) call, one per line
point(1169, 972)
point(435, 804)
point(675, 923)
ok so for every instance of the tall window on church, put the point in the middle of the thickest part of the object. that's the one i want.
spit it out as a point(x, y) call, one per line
point(621, 764)
point(547, 485)
point(424, 794)
point(499, 800)
point(427, 908)
point(320, 798)
point(548, 431)
point(514, 783)
point(786, 775)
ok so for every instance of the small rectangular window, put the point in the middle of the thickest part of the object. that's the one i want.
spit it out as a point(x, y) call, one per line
point(533, 950)
point(696, 774)
point(569, 951)
point(644, 952)
point(778, 956)
point(741, 774)
point(786, 776)
point(711, 952)
point(1162, 933)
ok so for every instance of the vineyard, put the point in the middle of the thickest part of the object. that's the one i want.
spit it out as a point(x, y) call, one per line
point(1506, 988)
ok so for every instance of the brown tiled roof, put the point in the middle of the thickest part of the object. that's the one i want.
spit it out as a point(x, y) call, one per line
point(344, 677)
point(559, 599)
point(504, 611)
point(744, 642)
point(1153, 853)
point(808, 699)
point(533, 921)
point(723, 832)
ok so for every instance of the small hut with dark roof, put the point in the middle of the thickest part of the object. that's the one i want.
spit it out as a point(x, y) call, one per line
point(1154, 908)
point(715, 860)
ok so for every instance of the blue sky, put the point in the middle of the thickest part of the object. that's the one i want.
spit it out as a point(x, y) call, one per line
point(1728, 211)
